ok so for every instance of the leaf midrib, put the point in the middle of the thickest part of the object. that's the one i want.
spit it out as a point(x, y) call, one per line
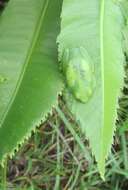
point(102, 14)
point(28, 57)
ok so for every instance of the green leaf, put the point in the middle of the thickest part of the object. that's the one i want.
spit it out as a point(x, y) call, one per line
point(29, 76)
point(95, 25)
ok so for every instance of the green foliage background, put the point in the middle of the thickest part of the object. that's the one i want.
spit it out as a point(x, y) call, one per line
point(30, 80)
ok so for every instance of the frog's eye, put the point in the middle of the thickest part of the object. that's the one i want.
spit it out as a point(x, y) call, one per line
point(2, 79)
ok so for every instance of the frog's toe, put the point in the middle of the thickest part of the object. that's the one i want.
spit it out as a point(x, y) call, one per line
point(81, 98)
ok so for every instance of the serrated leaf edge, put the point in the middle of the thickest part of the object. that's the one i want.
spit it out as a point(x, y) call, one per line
point(32, 129)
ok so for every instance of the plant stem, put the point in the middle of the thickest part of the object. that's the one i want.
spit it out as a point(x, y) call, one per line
point(57, 184)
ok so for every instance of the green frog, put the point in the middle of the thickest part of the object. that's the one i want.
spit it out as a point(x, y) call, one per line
point(79, 72)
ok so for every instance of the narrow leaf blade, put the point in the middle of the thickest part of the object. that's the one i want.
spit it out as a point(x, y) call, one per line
point(98, 30)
